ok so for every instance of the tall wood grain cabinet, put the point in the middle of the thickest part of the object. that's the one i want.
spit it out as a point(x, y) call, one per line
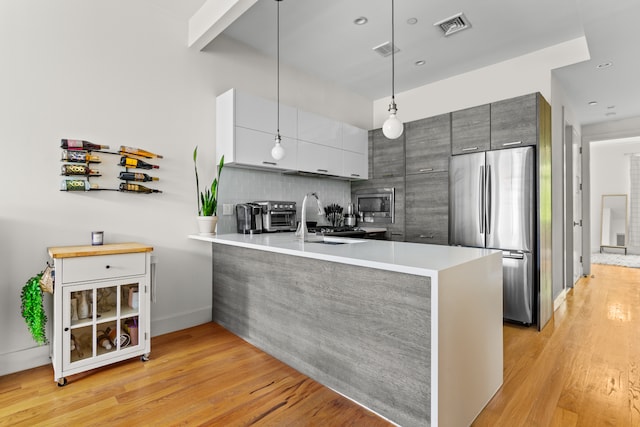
point(428, 147)
point(514, 122)
point(471, 130)
point(388, 155)
point(101, 306)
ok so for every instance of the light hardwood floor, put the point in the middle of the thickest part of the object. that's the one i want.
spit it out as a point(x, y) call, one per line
point(582, 370)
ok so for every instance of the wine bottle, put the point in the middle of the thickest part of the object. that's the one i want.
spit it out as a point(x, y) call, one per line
point(76, 144)
point(137, 188)
point(79, 170)
point(79, 157)
point(136, 176)
point(135, 163)
point(77, 185)
point(138, 152)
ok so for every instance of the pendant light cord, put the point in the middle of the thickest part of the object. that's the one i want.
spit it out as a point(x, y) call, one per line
point(278, 64)
point(393, 62)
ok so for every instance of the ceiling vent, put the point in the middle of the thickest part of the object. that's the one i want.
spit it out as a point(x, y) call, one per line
point(453, 24)
point(384, 49)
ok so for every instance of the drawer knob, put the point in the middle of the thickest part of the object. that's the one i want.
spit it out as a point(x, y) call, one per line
point(66, 329)
point(108, 266)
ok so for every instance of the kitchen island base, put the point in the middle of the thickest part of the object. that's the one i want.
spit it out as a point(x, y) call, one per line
point(416, 349)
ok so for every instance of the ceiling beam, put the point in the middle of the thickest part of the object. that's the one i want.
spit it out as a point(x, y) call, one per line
point(213, 18)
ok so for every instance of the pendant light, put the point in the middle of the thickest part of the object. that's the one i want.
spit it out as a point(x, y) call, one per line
point(392, 127)
point(277, 152)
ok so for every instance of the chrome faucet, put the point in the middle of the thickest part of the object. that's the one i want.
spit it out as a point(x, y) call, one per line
point(302, 232)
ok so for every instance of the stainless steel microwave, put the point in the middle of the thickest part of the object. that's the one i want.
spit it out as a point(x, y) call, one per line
point(376, 205)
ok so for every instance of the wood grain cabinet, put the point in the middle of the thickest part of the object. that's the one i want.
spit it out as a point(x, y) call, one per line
point(514, 122)
point(428, 144)
point(388, 155)
point(101, 306)
point(427, 208)
point(471, 130)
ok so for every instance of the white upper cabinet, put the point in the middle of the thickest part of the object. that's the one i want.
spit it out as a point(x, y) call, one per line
point(245, 132)
point(320, 159)
point(253, 148)
point(355, 165)
point(354, 139)
point(261, 114)
point(319, 130)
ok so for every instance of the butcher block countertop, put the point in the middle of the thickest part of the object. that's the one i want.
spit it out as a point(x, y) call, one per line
point(88, 250)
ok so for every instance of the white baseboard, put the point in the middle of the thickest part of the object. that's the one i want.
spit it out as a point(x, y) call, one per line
point(560, 299)
point(25, 359)
point(178, 321)
point(38, 356)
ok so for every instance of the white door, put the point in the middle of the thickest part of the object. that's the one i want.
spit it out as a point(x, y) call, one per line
point(577, 208)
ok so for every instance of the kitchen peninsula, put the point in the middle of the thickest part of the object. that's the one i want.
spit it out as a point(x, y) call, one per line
point(410, 331)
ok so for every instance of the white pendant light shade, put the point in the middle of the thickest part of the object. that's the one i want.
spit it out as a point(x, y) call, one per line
point(393, 126)
point(277, 152)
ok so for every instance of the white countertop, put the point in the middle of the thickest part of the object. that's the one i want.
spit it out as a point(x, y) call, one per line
point(412, 258)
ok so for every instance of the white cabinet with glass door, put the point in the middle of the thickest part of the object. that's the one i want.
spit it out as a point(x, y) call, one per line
point(101, 306)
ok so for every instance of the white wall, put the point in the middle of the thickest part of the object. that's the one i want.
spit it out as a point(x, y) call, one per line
point(115, 73)
point(561, 115)
point(609, 175)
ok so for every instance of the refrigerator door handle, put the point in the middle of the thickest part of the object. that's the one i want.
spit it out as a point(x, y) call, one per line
point(488, 198)
point(481, 201)
point(512, 255)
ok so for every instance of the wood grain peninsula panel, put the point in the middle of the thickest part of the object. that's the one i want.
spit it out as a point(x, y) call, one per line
point(364, 332)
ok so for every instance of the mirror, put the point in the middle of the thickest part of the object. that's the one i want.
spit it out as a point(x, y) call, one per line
point(613, 231)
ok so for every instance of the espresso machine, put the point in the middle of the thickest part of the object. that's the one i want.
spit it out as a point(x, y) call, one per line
point(249, 218)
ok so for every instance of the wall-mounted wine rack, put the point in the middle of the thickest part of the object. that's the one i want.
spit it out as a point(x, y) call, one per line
point(80, 156)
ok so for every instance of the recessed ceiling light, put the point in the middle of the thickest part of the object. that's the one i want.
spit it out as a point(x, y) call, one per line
point(592, 103)
point(412, 21)
point(604, 65)
point(611, 113)
point(421, 62)
point(360, 21)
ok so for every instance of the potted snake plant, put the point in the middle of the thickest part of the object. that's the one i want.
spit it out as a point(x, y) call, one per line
point(208, 199)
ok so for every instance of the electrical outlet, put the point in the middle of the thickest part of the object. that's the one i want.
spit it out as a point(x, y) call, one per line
point(227, 209)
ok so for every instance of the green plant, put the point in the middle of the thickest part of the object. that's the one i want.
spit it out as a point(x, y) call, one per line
point(207, 200)
point(33, 309)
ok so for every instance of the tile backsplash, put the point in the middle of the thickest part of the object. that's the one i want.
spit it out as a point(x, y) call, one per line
point(239, 185)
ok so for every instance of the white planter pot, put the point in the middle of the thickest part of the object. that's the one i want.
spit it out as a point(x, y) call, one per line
point(207, 224)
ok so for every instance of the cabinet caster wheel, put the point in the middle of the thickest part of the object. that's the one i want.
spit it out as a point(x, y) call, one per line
point(144, 358)
point(62, 382)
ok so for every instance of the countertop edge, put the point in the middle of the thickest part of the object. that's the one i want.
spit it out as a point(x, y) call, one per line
point(417, 271)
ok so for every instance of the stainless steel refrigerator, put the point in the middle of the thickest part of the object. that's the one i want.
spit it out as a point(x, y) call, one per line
point(492, 198)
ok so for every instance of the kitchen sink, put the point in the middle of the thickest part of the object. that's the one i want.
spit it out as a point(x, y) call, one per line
point(328, 243)
point(325, 240)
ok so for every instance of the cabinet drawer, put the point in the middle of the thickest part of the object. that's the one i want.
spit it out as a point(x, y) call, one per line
point(99, 267)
